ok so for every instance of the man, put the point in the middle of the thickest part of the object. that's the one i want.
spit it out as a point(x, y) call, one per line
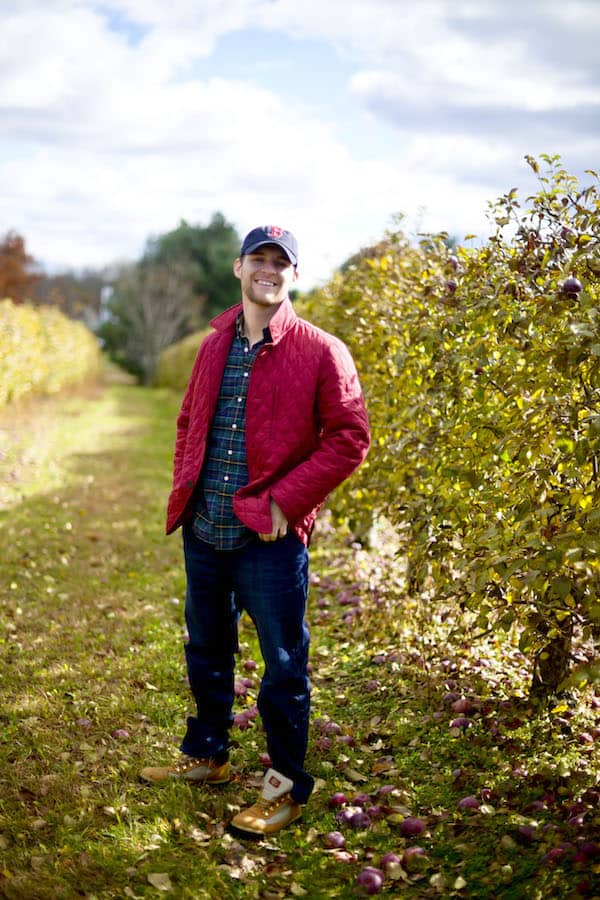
point(272, 420)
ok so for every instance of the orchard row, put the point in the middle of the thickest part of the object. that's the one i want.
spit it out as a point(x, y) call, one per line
point(481, 369)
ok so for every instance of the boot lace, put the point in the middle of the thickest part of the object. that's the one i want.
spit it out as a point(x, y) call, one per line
point(184, 765)
point(269, 806)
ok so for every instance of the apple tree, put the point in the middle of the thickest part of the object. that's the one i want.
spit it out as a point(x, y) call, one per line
point(481, 372)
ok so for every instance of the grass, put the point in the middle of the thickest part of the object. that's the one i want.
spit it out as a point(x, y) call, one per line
point(93, 688)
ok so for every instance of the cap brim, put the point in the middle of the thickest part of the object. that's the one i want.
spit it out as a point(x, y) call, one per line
point(287, 252)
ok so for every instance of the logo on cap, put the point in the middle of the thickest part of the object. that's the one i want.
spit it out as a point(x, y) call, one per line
point(273, 231)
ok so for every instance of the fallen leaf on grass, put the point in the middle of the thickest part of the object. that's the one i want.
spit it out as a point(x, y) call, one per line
point(438, 882)
point(353, 775)
point(239, 864)
point(201, 837)
point(344, 856)
point(385, 764)
point(160, 880)
point(396, 872)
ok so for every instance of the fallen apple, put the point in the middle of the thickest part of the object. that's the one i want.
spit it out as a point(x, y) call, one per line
point(411, 825)
point(335, 840)
point(461, 722)
point(360, 820)
point(337, 799)
point(344, 815)
point(241, 720)
point(462, 705)
point(332, 728)
point(370, 880)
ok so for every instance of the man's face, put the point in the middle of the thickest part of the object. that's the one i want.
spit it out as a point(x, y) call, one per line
point(266, 275)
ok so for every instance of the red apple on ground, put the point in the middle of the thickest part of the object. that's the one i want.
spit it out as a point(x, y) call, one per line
point(370, 880)
point(411, 826)
point(337, 799)
point(334, 840)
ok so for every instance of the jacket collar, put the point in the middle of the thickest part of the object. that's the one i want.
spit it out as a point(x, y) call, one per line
point(283, 319)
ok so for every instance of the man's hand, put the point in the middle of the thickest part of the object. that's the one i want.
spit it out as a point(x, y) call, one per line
point(278, 522)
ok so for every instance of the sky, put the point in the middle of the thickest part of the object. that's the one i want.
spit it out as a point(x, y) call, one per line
point(330, 118)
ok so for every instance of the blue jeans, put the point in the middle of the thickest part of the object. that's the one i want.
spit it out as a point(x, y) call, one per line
point(269, 580)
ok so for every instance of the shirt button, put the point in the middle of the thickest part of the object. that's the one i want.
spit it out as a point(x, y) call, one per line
point(226, 478)
point(230, 452)
point(240, 399)
point(245, 350)
point(245, 374)
point(234, 425)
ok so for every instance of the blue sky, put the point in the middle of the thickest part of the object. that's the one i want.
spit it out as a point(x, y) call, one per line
point(120, 118)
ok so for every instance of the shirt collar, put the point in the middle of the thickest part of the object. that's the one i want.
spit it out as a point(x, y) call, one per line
point(282, 321)
point(239, 330)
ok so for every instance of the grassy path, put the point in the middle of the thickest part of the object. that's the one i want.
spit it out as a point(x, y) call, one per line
point(93, 687)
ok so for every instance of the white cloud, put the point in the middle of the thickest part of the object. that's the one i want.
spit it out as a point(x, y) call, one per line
point(110, 135)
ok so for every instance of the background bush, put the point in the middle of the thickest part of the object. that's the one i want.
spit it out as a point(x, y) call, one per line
point(175, 363)
point(42, 351)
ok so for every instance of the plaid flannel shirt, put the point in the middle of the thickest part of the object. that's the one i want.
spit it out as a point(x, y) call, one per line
point(225, 468)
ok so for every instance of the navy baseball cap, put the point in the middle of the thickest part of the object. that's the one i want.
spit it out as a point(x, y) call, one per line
point(271, 234)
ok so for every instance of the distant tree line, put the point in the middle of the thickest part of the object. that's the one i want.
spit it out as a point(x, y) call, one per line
point(182, 280)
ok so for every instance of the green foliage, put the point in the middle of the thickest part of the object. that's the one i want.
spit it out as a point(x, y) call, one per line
point(175, 363)
point(208, 253)
point(481, 371)
point(42, 351)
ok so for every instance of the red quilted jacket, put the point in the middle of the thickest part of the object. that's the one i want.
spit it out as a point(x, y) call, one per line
point(306, 423)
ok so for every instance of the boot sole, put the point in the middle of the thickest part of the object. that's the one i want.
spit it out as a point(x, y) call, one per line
point(196, 781)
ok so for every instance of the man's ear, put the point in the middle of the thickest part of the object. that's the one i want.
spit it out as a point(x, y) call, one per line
point(237, 267)
point(295, 274)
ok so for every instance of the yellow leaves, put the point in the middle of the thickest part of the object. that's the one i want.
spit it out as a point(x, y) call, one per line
point(41, 351)
point(581, 500)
